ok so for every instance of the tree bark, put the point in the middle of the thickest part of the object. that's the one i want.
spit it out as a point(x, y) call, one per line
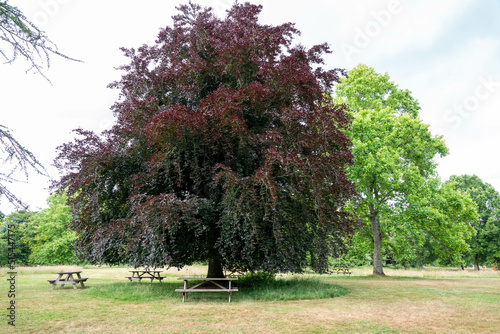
point(377, 242)
point(476, 266)
point(215, 268)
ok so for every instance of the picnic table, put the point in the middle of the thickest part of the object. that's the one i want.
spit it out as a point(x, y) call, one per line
point(207, 285)
point(341, 268)
point(69, 279)
point(138, 275)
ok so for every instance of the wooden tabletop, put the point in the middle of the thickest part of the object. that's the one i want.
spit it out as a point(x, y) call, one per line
point(208, 278)
point(69, 272)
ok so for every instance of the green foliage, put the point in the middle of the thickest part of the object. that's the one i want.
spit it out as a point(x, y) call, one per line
point(488, 239)
point(41, 237)
point(441, 217)
point(366, 89)
point(3, 251)
point(401, 199)
point(53, 239)
point(19, 221)
point(484, 245)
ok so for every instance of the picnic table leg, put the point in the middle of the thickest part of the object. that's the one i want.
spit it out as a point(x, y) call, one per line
point(81, 282)
point(184, 293)
point(55, 282)
point(72, 280)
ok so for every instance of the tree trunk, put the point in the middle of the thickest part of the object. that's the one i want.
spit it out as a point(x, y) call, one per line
point(377, 243)
point(476, 262)
point(215, 268)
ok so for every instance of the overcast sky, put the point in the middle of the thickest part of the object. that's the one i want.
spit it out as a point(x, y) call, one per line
point(445, 52)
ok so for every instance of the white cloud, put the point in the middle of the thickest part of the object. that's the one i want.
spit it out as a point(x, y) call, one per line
point(460, 84)
point(476, 155)
point(390, 28)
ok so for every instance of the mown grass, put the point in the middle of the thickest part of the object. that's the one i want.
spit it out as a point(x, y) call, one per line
point(427, 301)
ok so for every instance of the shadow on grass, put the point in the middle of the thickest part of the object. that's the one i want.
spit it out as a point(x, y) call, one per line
point(275, 290)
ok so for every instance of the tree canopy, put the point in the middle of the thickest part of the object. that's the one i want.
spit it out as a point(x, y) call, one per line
point(394, 167)
point(484, 245)
point(224, 150)
point(20, 220)
point(52, 240)
point(42, 237)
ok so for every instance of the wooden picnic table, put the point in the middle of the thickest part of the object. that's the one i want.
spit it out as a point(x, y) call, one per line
point(207, 285)
point(138, 275)
point(69, 279)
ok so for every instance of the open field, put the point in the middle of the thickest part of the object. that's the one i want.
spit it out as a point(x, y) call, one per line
point(412, 301)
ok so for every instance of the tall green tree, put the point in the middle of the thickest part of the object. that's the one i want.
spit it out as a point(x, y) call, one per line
point(53, 240)
point(224, 151)
point(394, 157)
point(484, 245)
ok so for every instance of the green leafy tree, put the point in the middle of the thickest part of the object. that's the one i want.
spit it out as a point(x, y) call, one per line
point(442, 218)
point(484, 245)
point(394, 166)
point(488, 240)
point(23, 234)
point(53, 241)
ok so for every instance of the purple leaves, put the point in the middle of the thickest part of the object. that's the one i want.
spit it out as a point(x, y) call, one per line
point(223, 149)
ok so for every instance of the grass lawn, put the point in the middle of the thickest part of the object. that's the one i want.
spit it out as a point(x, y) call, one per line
point(411, 301)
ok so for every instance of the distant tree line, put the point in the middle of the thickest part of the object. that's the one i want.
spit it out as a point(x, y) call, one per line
point(43, 237)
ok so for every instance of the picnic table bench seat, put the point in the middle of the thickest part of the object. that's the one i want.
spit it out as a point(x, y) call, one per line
point(76, 280)
point(131, 278)
point(206, 285)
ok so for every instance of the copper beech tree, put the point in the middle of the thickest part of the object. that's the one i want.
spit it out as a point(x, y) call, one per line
point(224, 151)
